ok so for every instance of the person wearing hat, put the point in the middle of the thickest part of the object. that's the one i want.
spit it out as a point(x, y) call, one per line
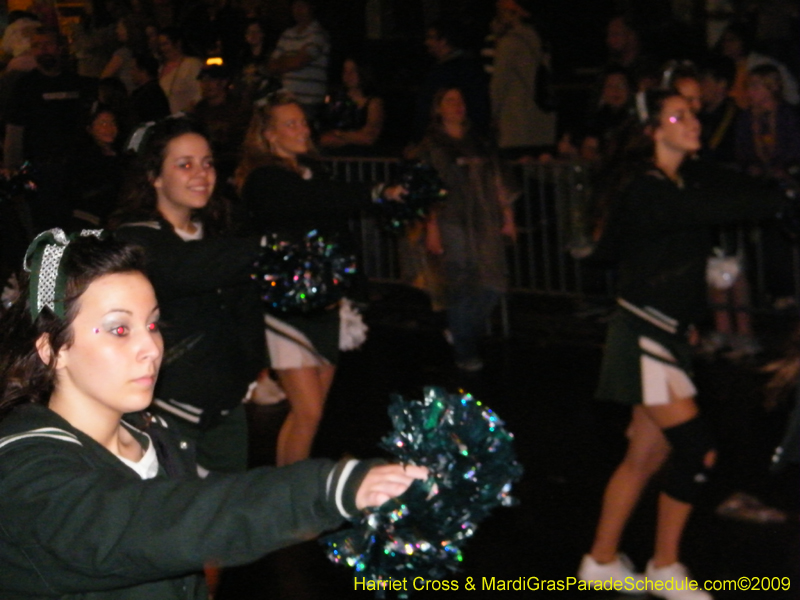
point(223, 114)
point(522, 127)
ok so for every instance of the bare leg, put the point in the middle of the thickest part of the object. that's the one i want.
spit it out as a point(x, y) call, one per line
point(306, 390)
point(672, 514)
point(647, 451)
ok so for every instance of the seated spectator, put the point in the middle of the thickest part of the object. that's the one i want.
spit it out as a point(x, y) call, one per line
point(112, 93)
point(96, 171)
point(148, 101)
point(353, 117)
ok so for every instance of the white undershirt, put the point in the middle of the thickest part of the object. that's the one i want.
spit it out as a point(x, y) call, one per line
point(187, 236)
point(147, 466)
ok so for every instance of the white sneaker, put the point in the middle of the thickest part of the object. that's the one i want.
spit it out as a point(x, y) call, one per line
point(680, 579)
point(618, 570)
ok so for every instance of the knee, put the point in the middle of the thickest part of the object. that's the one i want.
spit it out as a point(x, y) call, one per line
point(691, 461)
point(309, 413)
point(646, 464)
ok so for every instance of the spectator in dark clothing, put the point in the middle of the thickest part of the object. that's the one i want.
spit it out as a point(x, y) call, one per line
point(148, 100)
point(95, 171)
point(45, 112)
point(625, 48)
point(719, 113)
point(604, 127)
point(454, 68)
point(768, 145)
point(223, 116)
point(768, 133)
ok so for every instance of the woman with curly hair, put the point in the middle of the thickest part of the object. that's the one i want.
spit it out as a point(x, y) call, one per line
point(201, 273)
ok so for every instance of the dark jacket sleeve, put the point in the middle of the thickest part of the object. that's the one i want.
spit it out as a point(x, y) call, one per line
point(179, 268)
point(69, 526)
point(280, 199)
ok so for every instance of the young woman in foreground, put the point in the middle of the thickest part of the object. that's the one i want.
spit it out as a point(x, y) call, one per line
point(95, 507)
point(659, 234)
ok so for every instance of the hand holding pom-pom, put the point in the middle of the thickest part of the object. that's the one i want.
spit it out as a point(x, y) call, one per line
point(421, 187)
point(471, 467)
point(303, 276)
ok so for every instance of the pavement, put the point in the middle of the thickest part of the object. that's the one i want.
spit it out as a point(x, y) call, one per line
point(540, 381)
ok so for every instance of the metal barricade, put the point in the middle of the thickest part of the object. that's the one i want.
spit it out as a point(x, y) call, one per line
point(553, 213)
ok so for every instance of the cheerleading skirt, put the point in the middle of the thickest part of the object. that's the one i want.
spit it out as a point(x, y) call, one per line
point(643, 364)
point(296, 341)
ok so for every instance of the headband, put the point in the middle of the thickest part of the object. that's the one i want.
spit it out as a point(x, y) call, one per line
point(43, 261)
point(137, 140)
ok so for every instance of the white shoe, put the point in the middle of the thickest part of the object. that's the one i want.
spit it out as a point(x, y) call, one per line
point(675, 576)
point(618, 570)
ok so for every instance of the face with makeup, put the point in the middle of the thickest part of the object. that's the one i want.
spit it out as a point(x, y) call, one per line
point(678, 129)
point(110, 366)
point(187, 177)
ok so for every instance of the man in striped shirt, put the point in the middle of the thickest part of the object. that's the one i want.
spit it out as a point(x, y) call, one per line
point(301, 58)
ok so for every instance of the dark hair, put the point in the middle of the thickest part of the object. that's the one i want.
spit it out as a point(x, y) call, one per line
point(436, 118)
point(255, 21)
point(147, 63)
point(139, 201)
point(615, 69)
point(112, 88)
point(366, 74)
point(450, 31)
point(744, 31)
point(137, 41)
point(16, 15)
point(634, 150)
point(173, 34)
point(48, 31)
point(770, 76)
point(24, 377)
point(675, 71)
point(97, 110)
point(718, 67)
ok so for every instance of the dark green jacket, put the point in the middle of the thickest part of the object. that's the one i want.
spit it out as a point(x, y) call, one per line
point(213, 321)
point(661, 235)
point(78, 523)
